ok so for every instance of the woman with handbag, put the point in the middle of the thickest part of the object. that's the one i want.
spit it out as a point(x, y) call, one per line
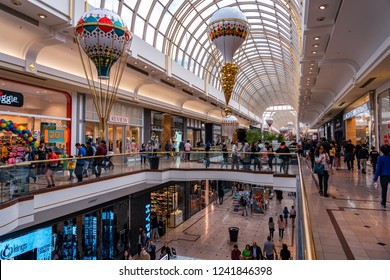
point(321, 168)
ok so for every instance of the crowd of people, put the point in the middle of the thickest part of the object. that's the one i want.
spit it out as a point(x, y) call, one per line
point(254, 252)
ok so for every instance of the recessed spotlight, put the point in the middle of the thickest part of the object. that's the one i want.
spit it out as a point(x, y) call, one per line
point(146, 66)
point(311, 68)
point(316, 45)
point(135, 62)
point(310, 72)
point(317, 38)
point(323, 6)
point(42, 16)
point(308, 79)
point(3, 84)
point(320, 18)
point(178, 84)
point(168, 79)
point(152, 71)
point(16, 2)
point(313, 52)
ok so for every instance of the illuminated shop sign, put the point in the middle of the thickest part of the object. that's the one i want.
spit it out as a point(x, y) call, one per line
point(9, 98)
point(39, 240)
point(147, 220)
point(119, 119)
point(356, 111)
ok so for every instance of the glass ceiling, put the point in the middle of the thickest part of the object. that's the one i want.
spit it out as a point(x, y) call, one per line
point(268, 60)
point(281, 115)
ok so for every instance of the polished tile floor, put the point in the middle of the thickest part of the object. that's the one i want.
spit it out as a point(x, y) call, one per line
point(350, 223)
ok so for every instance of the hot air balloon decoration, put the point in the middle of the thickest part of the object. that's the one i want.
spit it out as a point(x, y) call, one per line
point(290, 126)
point(228, 29)
point(283, 130)
point(229, 125)
point(269, 121)
point(103, 41)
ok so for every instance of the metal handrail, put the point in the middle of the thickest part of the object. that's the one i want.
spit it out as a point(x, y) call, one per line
point(305, 246)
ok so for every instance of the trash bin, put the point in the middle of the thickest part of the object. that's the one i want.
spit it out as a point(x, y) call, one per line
point(154, 162)
point(233, 234)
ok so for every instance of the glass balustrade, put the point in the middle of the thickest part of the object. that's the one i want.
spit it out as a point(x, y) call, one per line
point(22, 179)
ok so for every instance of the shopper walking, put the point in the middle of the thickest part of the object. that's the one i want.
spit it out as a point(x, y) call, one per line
point(256, 252)
point(285, 214)
point(271, 227)
point(348, 154)
point(293, 214)
point(363, 157)
point(337, 157)
point(269, 249)
point(283, 149)
point(225, 155)
point(236, 253)
point(52, 166)
point(383, 171)
point(374, 158)
point(246, 254)
point(235, 156)
point(281, 227)
point(244, 203)
point(285, 253)
point(80, 162)
point(151, 249)
point(101, 151)
point(322, 160)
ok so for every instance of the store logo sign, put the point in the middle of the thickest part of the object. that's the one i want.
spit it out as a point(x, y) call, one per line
point(119, 119)
point(9, 251)
point(356, 111)
point(147, 220)
point(9, 98)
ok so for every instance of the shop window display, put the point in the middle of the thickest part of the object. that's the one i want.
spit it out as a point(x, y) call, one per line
point(168, 203)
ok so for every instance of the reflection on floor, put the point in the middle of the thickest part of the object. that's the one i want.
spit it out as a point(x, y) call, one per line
point(350, 223)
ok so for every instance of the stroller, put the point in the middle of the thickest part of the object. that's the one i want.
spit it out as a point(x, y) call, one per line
point(107, 163)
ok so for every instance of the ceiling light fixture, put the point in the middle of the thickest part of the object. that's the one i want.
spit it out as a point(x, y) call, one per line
point(135, 62)
point(317, 38)
point(42, 16)
point(16, 2)
point(320, 18)
point(316, 45)
point(323, 6)
point(146, 66)
point(313, 52)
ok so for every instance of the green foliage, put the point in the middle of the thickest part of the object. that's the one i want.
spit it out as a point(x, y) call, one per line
point(269, 137)
point(280, 138)
point(253, 135)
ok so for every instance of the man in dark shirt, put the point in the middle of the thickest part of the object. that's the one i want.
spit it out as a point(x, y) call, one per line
point(357, 150)
point(236, 253)
point(256, 252)
point(349, 149)
point(374, 158)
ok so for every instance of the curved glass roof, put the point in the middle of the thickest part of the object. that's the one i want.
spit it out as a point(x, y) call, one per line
point(268, 61)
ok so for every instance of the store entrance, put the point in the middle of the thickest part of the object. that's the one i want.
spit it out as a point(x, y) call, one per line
point(115, 138)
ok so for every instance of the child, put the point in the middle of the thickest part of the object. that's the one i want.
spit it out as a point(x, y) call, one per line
point(71, 164)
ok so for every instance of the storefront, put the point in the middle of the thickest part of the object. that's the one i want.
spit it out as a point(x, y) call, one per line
point(124, 129)
point(195, 132)
point(46, 113)
point(338, 128)
point(358, 120)
point(384, 117)
point(102, 233)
